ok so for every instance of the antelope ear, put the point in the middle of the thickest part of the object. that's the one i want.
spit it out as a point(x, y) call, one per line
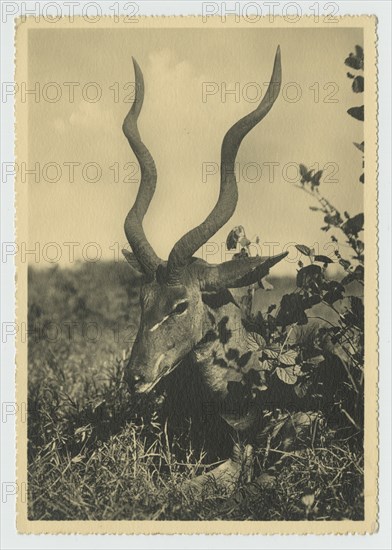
point(237, 273)
point(133, 262)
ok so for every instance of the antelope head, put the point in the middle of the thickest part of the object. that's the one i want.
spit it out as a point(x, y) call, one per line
point(173, 314)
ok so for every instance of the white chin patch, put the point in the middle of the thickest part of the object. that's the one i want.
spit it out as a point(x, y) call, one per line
point(145, 388)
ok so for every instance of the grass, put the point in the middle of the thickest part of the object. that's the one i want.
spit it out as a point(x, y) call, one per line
point(94, 454)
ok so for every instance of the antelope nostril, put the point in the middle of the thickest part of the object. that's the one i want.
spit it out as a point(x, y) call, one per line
point(135, 380)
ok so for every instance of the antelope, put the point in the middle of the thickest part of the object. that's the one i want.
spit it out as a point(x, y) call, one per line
point(189, 317)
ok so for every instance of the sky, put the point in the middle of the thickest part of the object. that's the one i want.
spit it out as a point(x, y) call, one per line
point(183, 128)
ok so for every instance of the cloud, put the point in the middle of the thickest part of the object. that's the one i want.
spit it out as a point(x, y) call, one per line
point(90, 115)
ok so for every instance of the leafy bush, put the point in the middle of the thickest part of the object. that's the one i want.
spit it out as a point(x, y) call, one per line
point(324, 370)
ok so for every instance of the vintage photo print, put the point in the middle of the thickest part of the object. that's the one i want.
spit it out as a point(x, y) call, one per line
point(196, 220)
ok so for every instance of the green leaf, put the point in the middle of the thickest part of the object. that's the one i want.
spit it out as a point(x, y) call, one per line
point(358, 84)
point(234, 237)
point(360, 146)
point(254, 341)
point(303, 249)
point(316, 178)
point(288, 375)
point(355, 61)
point(288, 358)
point(271, 354)
point(306, 175)
point(354, 225)
point(323, 259)
point(335, 292)
point(267, 365)
point(357, 112)
point(355, 315)
point(333, 219)
point(344, 263)
point(309, 276)
point(303, 170)
point(291, 310)
point(244, 241)
point(359, 53)
point(302, 388)
point(356, 275)
point(265, 284)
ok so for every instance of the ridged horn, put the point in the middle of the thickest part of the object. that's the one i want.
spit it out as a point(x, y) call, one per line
point(133, 227)
point(184, 249)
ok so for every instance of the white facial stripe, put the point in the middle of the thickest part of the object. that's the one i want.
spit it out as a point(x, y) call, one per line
point(159, 324)
point(167, 316)
point(179, 303)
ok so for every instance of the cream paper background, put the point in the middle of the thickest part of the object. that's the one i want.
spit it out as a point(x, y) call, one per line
point(34, 223)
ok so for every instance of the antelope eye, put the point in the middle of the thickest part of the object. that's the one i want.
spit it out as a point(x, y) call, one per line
point(180, 308)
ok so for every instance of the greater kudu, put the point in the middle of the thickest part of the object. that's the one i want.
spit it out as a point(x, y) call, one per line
point(185, 303)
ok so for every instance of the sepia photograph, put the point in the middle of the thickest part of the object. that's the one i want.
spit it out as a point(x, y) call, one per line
point(197, 275)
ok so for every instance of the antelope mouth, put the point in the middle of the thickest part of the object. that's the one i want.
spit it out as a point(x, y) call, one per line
point(147, 387)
